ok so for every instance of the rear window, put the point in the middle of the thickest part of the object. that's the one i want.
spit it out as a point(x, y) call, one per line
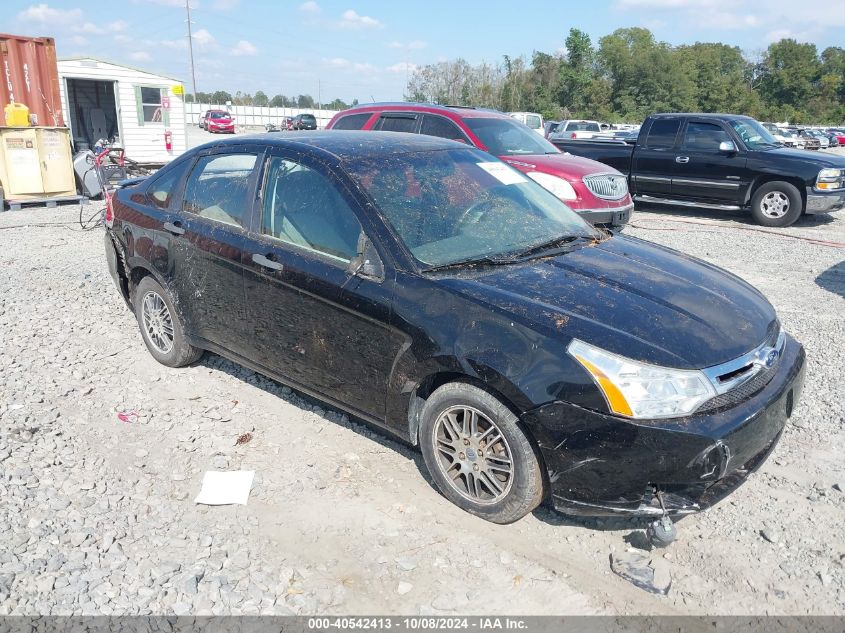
point(398, 123)
point(663, 133)
point(307, 117)
point(533, 121)
point(352, 121)
point(582, 126)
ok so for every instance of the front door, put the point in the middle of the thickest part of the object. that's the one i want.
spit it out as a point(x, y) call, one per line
point(209, 234)
point(312, 321)
point(706, 174)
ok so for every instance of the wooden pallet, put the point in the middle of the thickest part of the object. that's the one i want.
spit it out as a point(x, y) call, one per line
point(18, 204)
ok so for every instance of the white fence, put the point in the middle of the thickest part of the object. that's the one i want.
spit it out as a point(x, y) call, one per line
point(255, 115)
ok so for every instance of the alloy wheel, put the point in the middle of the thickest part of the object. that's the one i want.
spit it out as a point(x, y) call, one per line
point(775, 205)
point(158, 324)
point(473, 454)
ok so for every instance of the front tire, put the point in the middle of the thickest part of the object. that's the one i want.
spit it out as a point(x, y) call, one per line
point(161, 327)
point(478, 454)
point(776, 204)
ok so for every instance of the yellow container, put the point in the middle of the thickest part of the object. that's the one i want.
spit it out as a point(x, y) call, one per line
point(17, 115)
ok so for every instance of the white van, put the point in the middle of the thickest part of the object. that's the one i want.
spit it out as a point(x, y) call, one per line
point(532, 120)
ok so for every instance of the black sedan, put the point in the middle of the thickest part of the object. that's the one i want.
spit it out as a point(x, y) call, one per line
point(430, 289)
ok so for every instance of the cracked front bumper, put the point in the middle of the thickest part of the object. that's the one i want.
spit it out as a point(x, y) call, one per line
point(601, 465)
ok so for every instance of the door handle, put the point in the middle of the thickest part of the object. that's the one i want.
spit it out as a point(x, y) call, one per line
point(262, 260)
point(681, 159)
point(174, 227)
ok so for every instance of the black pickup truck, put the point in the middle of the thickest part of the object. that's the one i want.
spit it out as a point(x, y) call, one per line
point(721, 161)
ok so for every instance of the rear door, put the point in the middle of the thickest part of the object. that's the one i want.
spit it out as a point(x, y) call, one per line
point(440, 126)
point(703, 172)
point(209, 233)
point(653, 165)
point(311, 320)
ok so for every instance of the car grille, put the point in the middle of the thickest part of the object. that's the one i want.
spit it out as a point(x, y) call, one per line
point(607, 186)
point(745, 390)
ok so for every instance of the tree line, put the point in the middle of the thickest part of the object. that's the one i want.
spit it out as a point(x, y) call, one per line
point(220, 97)
point(630, 75)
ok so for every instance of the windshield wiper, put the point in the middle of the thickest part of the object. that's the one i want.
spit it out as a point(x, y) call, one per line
point(488, 261)
point(556, 243)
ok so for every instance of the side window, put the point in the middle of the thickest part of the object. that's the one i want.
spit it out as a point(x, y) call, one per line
point(352, 121)
point(704, 137)
point(160, 190)
point(218, 188)
point(304, 208)
point(433, 125)
point(663, 133)
point(388, 123)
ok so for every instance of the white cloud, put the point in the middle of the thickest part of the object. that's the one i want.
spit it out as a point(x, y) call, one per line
point(244, 48)
point(177, 44)
point(204, 39)
point(92, 29)
point(79, 40)
point(414, 45)
point(45, 14)
point(140, 56)
point(353, 21)
point(402, 67)
point(337, 62)
point(310, 7)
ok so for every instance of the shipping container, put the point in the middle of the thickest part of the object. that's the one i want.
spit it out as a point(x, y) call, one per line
point(30, 76)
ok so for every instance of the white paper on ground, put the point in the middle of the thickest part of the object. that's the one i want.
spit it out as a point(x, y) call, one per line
point(220, 488)
point(504, 174)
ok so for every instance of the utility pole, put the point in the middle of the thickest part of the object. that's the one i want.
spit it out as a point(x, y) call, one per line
point(191, 48)
point(319, 101)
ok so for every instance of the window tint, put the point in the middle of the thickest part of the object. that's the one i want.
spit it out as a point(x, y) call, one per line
point(352, 121)
point(303, 207)
point(506, 137)
point(582, 126)
point(219, 188)
point(439, 126)
point(160, 191)
point(663, 133)
point(704, 136)
point(397, 124)
point(533, 121)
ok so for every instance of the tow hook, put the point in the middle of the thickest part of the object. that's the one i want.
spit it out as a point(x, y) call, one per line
point(662, 532)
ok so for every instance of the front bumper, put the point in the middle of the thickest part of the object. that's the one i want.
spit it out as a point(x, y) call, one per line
point(616, 216)
point(824, 202)
point(603, 465)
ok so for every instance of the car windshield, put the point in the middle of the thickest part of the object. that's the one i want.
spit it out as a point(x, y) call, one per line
point(506, 137)
point(754, 135)
point(462, 205)
point(219, 115)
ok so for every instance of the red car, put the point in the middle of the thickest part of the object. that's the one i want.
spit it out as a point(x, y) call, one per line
point(597, 192)
point(217, 121)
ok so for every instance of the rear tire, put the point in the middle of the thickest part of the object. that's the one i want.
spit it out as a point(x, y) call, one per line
point(161, 327)
point(478, 454)
point(776, 204)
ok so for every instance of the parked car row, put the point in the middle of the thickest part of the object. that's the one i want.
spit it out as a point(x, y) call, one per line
point(221, 121)
point(805, 137)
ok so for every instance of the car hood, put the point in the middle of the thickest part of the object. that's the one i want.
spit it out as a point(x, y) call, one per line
point(823, 160)
point(567, 166)
point(631, 297)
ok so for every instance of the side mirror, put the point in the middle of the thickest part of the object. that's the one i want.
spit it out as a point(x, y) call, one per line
point(727, 147)
point(367, 262)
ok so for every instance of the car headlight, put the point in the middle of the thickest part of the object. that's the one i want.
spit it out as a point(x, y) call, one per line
point(640, 390)
point(830, 178)
point(558, 186)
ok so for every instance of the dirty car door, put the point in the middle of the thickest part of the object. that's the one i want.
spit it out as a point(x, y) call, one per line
point(209, 233)
point(313, 322)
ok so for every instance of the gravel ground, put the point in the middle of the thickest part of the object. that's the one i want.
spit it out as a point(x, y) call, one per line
point(97, 513)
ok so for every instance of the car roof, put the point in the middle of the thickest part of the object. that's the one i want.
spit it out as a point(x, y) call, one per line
point(460, 112)
point(347, 144)
point(702, 115)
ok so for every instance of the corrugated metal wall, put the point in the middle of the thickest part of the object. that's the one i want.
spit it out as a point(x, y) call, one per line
point(30, 76)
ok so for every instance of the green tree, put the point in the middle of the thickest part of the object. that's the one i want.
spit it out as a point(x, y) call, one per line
point(260, 99)
point(577, 74)
point(278, 101)
point(790, 73)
